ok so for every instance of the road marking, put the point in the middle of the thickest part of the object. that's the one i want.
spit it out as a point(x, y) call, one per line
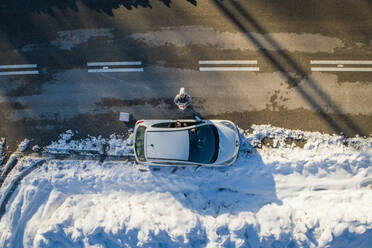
point(114, 63)
point(227, 62)
point(18, 66)
point(341, 62)
point(229, 68)
point(340, 69)
point(105, 66)
point(338, 65)
point(18, 72)
point(4, 70)
point(117, 70)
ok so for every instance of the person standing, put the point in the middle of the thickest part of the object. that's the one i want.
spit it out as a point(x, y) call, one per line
point(182, 99)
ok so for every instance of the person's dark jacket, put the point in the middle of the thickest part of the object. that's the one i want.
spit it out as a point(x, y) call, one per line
point(179, 101)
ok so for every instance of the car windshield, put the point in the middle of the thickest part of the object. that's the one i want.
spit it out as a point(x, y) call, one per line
point(203, 144)
point(139, 143)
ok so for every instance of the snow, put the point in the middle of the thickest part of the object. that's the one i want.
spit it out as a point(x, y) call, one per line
point(116, 145)
point(65, 144)
point(282, 195)
point(119, 145)
point(14, 158)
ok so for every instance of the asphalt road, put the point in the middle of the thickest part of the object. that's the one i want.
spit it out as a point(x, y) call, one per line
point(294, 64)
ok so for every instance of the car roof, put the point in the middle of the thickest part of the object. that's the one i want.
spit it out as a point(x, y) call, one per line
point(173, 145)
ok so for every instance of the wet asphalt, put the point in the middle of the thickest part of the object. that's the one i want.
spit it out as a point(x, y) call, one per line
point(169, 38)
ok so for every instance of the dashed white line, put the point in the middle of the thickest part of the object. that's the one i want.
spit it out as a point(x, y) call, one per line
point(227, 62)
point(343, 62)
point(114, 63)
point(229, 68)
point(338, 65)
point(4, 70)
point(340, 69)
point(105, 66)
point(18, 72)
point(18, 66)
point(117, 70)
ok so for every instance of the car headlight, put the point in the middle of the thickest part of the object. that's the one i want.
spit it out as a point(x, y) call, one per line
point(229, 125)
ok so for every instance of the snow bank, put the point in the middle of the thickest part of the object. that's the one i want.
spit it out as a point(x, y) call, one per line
point(65, 145)
point(313, 140)
point(316, 196)
point(119, 145)
point(116, 145)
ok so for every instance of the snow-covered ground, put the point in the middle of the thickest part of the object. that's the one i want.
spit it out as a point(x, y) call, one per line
point(116, 145)
point(317, 194)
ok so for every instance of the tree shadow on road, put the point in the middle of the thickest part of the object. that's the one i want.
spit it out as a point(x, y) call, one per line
point(284, 63)
point(10, 7)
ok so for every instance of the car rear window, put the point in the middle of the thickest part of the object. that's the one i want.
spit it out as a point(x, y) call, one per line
point(204, 144)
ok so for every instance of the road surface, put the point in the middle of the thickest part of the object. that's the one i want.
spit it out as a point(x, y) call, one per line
point(77, 64)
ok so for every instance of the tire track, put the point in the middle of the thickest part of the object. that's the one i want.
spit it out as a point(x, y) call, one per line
point(12, 160)
point(15, 184)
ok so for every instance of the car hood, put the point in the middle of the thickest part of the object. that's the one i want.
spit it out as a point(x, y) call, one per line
point(168, 145)
point(228, 140)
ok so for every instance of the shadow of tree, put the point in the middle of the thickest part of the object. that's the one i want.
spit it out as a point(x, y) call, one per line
point(284, 63)
point(9, 7)
point(27, 27)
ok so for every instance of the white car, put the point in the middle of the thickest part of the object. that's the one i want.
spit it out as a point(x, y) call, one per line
point(186, 142)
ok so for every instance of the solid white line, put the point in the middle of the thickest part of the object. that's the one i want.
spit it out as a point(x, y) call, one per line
point(229, 68)
point(340, 69)
point(341, 62)
point(18, 66)
point(227, 62)
point(117, 70)
point(114, 63)
point(18, 73)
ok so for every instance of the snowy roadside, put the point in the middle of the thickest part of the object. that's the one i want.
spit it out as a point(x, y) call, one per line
point(13, 159)
point(116, 145)
point(314, 195)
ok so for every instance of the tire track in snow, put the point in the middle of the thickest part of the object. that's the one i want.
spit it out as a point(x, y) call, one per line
point(13, 159)
point(3, 158)
point(366, 182)
point(15, 184)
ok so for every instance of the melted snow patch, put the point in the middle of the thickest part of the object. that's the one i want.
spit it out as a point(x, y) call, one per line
point(71, 38)
point(198, 35)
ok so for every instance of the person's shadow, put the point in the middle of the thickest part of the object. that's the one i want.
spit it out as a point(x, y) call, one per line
point(188, 113)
